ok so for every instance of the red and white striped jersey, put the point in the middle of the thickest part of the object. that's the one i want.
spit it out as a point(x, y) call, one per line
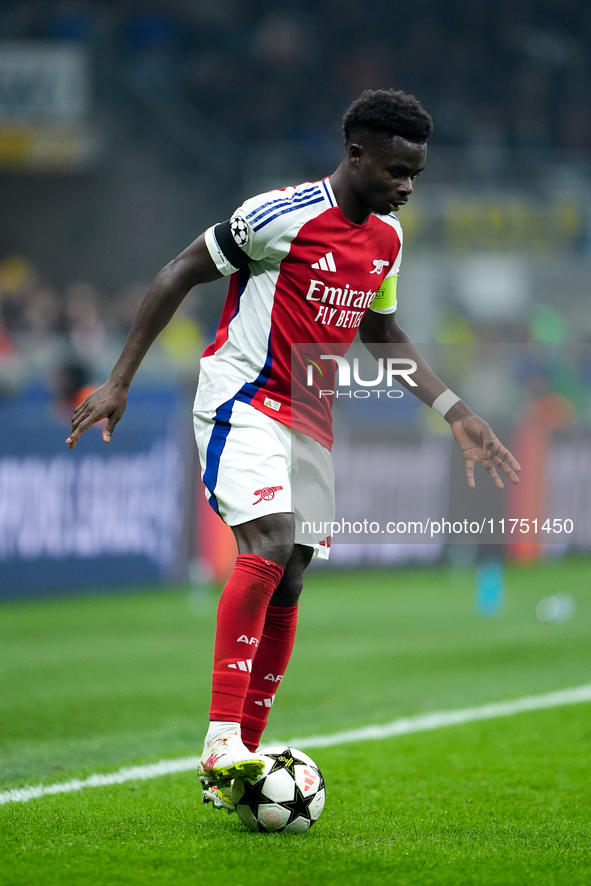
point(300, 273)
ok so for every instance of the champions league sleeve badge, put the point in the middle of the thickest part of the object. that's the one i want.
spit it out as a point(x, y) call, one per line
point(239, 229)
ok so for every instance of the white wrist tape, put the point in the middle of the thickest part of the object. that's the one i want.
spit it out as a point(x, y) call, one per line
point(444, 402)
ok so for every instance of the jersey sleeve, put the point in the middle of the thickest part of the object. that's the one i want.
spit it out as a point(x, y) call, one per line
point(385, 299)
point(227, 243)
point(248, 236)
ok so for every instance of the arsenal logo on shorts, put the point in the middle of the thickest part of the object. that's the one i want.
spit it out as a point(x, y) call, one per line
point(266, 494)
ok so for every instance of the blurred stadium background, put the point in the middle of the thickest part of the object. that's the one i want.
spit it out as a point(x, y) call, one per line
point(126, 128)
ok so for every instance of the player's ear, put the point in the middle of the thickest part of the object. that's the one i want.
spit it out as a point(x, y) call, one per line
point(354, 152)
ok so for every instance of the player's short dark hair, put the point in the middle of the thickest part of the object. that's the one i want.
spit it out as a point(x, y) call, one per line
point(387, 113)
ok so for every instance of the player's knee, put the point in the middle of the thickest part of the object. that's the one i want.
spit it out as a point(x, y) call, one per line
point(291, 584)
point(289, 589)
point(270, 537)
point(276, 545)
point(277, 550)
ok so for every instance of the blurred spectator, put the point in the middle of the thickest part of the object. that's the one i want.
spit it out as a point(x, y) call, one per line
point(182, 341)
point(154, 42)
point(83, 322)
point(69, 387)
point(10, 364)
point(72, 20)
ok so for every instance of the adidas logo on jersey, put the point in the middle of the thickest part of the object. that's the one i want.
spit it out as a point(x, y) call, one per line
point(326, 263)
point(266, 702)
point(242, 665)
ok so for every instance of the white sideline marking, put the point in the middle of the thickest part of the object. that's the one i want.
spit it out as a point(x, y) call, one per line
point(440, 719)
point(403, 726)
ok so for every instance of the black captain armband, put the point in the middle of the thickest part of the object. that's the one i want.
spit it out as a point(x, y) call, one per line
point(231, 235)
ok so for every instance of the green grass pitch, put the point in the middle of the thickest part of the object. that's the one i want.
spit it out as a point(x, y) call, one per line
point(91, 684)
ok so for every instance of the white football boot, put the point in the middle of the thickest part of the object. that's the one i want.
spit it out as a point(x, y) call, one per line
point(226, 758)
point(220, 798)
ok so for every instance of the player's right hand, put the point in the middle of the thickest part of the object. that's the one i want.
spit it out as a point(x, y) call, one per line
point(108, 401)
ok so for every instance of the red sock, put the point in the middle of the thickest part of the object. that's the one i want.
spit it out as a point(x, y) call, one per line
point(240, 620)
point(268, 669)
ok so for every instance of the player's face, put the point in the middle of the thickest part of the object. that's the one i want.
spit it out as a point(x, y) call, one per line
point(384, 172)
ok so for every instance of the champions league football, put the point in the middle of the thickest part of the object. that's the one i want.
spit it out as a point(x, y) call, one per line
point(289, 795)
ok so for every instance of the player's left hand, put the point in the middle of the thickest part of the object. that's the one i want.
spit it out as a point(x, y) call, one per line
point(478, 443)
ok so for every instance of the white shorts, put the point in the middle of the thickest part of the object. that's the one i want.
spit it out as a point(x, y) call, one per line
point(252, 465)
